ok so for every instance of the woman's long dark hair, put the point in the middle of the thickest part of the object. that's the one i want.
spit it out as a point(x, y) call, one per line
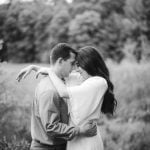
point(91, 61)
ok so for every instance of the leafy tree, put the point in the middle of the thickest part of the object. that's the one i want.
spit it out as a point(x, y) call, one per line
point(42, 32)
point(84, 29)
point(32, 28)
point(26, 31)
point(80, 8)
point(109, 7)
point(3, 14)
point(146, 5)
point(13, 33)
point(59, 26)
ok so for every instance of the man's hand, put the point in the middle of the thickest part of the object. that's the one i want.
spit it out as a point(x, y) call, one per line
point(24, 72)
point(89, 129)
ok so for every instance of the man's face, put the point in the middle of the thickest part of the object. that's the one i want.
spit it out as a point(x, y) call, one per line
point(67, 65)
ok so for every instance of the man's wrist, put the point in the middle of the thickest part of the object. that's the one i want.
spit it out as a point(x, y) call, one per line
point(75, 133)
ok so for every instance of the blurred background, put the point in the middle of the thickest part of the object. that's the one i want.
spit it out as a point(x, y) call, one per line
point(119, 29)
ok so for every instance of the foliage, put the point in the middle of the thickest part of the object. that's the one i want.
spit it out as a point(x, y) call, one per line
point(59, 26)
point(126, 136)
point(31, 29)
point(132, 89)
point(14, 115)
point(3, 13)
point(84, 28)
point(128, 129)
point(14, 144)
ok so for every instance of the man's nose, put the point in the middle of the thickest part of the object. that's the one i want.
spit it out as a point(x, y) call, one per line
point(77, 69)
point(73, 67)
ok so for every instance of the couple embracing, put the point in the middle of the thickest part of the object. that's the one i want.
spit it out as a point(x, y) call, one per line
point(70, 99)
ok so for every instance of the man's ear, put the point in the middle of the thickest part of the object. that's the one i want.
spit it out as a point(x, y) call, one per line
point(60, 60)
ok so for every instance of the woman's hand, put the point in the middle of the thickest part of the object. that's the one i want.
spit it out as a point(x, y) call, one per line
point(26, 71)
point(43, 71)
point(89, 129)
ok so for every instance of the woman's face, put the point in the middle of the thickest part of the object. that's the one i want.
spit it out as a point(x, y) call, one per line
point(82, 72)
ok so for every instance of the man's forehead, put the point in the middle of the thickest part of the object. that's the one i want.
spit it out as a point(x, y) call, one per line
point(1, 41)
point(72, 56)
point(72, 60)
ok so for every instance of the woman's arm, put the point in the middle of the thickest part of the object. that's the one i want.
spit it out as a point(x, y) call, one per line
point(27, 70)
point(59, 85)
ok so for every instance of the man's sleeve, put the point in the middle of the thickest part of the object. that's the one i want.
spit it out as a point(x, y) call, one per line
point(50, 117)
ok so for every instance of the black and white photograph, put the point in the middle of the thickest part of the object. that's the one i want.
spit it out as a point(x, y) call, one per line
point(74, 74)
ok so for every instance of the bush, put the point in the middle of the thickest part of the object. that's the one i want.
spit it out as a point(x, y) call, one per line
point(128, 130)
point(15, 144)
point(14, 114)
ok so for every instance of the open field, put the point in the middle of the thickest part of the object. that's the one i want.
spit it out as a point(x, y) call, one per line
point(131, 120)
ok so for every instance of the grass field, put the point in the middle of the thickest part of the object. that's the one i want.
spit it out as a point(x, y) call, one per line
point(131, 120)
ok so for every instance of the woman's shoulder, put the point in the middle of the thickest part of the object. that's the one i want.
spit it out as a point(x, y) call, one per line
point(98, 80)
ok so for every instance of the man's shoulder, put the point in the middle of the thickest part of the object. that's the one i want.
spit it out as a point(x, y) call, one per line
point(44, 84)
point(45, 90)
point(45, 80)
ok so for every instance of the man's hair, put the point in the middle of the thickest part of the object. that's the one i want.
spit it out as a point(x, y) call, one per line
point(61, 50)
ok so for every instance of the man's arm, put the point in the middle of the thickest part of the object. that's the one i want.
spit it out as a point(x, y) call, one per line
point(50, 117)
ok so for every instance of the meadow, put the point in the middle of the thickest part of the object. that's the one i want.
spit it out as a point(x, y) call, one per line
point(128, 129)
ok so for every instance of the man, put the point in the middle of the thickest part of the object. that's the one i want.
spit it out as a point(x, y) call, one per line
point(49, 122)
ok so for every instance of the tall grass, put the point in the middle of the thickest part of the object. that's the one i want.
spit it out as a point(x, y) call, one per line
point(132, 88)
point(131, 121)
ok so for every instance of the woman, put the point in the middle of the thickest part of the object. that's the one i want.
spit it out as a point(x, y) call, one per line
point(87, 100)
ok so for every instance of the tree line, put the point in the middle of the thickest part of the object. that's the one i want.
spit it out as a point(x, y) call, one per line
point(119, 28)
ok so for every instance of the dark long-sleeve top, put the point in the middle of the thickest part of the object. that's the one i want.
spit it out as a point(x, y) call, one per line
point(49, 120)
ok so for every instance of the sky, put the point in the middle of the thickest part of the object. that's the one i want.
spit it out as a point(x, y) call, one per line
point(5, 1)
point(2, 1)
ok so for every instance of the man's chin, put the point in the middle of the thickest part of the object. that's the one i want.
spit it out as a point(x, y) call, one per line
point(66, 75)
